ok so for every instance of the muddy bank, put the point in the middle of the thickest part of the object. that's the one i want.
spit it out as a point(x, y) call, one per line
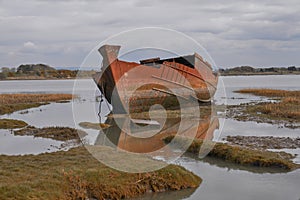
point(253, 112)
point(240, 155)
point(95, 126)
point(55, 133)
point(282, 109)
point(10, 103)
point(10, 108)
point(75, 174)
point(264, 142)
point(270, 92)
point(12, 124)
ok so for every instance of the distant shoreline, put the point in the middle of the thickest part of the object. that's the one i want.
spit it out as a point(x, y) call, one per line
point(45, 72)
point(233, 74)
point(257, 74)
point(43, 79)
point(251, 71)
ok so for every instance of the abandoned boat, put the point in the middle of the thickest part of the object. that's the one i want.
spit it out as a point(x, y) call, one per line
point(135, 87)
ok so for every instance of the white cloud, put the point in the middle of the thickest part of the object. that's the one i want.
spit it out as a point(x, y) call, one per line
point(29, 45)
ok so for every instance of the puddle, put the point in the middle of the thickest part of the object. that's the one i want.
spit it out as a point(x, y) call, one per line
point(21, 145)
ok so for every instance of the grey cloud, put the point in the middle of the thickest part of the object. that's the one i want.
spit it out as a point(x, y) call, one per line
point(64, 31)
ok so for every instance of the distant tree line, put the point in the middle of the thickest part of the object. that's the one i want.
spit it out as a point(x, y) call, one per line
point(41, 71)
point(248, 70)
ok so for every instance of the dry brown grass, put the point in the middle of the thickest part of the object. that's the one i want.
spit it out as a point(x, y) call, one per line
point(281, 110)
point(95, 126)
point(56, 133)
point(11, 124)
point(240, 155)
point(14, 102)
point(32, 98)
point(270, 92)
point(292, 100)
point(287, 108)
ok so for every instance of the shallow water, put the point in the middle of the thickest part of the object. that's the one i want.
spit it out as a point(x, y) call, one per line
point(37, 86)
point(53, 114)
point(233, 127)
point(225, 183)
point(233, 83)
point(21, 145)
point(220, 180)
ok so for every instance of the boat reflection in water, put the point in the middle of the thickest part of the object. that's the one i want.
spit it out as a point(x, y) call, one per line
point(136, 134)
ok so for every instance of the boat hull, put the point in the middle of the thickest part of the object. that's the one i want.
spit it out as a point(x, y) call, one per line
point(133, 87)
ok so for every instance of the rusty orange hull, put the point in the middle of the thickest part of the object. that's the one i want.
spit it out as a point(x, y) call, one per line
point(135, 87)
point(122, 135)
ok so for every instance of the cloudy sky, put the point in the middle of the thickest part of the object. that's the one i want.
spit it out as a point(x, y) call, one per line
point(259, 33)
